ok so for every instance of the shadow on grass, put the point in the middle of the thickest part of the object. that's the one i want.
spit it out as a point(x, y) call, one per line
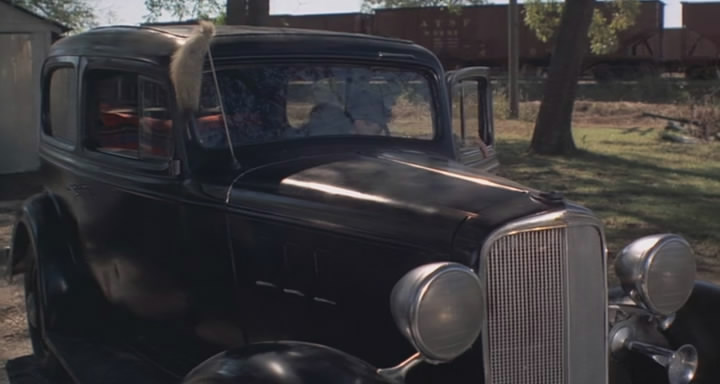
point(515, 152)
point(634, 195)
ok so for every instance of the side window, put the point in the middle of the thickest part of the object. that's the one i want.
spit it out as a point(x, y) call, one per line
point(60, 103)
point(155, 122)
point(468, 114)
point(127, 115)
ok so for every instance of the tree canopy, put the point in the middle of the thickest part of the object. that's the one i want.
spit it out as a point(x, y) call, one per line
point(76, 14)
point(608, 19)
point(184, 9)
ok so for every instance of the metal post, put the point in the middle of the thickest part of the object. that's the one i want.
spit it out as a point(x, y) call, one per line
point(237, 13)
point(247, 12)
point(258, 11)
point(513, 59)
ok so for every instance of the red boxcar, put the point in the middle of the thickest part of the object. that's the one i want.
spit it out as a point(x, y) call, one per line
point(638, 40)
point(703, 18)
point(700, 48)
point(340, 22)
point(478, 35)
point(694, 48)
point(640, 47)
point(473, 36)
point(683, 46)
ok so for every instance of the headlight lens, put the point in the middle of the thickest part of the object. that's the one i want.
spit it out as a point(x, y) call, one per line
point(439, 307)
point(659, 270)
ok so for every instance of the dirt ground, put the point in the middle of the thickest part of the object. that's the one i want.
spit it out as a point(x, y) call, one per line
point(13, 330)
point(13, 324)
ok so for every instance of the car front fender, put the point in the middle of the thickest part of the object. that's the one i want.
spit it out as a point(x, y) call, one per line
point(38, 226)
point(45, 227)
point(284, 363)
point(698, 323)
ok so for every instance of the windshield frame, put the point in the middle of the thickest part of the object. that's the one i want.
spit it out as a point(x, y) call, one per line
point(435, 89)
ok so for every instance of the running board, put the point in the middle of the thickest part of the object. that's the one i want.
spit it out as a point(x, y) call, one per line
point(25, 370)
point(90, 362)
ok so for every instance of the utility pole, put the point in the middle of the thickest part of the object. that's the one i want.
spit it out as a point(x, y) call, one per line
point(247, 12)
point(513, 59)
point(258, 11)
point(236, 12)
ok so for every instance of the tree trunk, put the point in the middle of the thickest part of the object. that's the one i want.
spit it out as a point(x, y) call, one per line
point(553, 128)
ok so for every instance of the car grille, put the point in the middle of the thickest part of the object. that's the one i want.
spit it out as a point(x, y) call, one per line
point(526, 317)
point(546, 304)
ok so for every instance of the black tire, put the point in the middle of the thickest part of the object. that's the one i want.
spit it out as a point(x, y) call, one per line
point(36, 325)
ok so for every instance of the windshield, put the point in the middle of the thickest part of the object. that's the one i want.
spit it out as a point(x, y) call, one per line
point(284, 102)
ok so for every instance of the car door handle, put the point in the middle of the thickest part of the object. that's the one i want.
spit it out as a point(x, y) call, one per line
point(77, 189)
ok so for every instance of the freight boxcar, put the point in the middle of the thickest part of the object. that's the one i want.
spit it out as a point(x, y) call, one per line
point(478, 35)
point(340, 22)
point(700, 49)
point(685, 50)
point(639, 51)
point(475, 35)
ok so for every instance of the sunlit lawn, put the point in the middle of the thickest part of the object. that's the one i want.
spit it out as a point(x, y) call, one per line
point(636, 183)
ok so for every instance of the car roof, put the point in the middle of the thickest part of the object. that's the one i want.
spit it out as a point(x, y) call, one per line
point(184, 30)
point(158, 43)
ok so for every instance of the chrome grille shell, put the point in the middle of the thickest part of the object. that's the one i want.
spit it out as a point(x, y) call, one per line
point(546, 287)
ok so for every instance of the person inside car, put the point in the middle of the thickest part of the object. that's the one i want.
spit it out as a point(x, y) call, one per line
point(328, 119)
point(369, 114)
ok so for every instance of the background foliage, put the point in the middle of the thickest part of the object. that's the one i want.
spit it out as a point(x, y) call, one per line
point(613, 17)
point(76, 14)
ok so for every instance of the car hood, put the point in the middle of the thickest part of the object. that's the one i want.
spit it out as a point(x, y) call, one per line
point(396, 197)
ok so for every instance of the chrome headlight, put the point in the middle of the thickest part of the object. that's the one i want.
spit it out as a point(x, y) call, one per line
point(439, 308)
point(658, 270)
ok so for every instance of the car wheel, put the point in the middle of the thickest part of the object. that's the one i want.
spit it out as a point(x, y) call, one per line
point(35, 319)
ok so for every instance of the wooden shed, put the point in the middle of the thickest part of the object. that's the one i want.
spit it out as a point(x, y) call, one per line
point(25, 39)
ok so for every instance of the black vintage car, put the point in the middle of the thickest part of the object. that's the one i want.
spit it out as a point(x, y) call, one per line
point(258, 205)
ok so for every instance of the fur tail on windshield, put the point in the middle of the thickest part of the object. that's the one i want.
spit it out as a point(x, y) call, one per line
point(187, 65)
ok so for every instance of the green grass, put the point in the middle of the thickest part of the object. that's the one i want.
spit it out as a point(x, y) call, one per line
point(637, 184)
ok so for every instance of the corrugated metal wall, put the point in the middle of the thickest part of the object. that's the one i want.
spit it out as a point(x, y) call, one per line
point(18, 136)
point(24, 43)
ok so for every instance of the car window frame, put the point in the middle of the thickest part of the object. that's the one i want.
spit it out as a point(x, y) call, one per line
point(51, 65)
point(143, 70)
point(143, 81)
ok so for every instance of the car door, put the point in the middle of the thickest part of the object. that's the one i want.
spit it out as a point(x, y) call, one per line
point(124, 188)
point(472, 117)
